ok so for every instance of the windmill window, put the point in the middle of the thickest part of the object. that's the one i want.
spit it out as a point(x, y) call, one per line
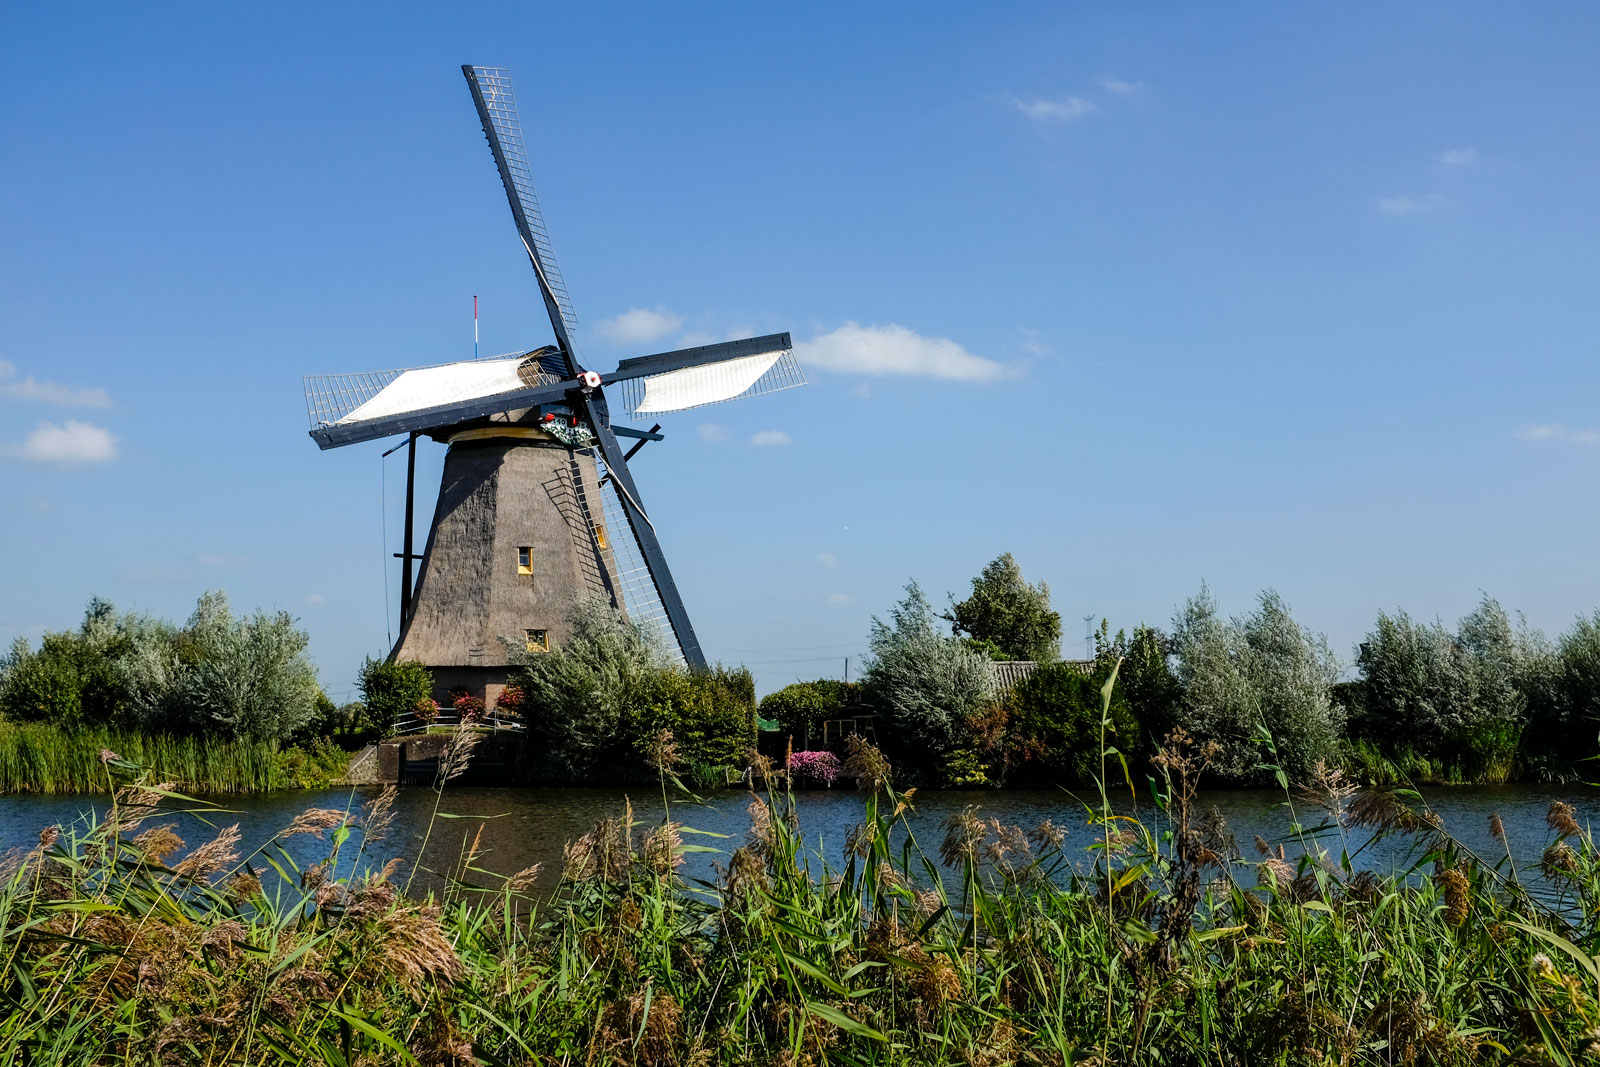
point(600, 535)
point(525, 560)
point(538, 640)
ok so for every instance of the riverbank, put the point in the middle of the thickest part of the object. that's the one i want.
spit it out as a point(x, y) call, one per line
point(1165, 949)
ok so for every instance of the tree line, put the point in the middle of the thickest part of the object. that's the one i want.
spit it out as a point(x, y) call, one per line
point(1490, 699)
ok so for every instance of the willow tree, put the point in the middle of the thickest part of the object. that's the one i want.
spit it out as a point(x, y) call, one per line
point(1005, 614)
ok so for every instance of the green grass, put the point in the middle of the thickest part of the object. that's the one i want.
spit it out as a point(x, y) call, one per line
point(40, 758)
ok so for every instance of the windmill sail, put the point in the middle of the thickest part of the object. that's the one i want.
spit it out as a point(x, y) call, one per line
point(497, 108)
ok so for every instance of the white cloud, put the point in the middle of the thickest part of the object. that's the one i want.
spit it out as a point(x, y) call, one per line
point(637, 325)
point(770, 437)
point(711, 433)
point(827, 559)
point(1034, 343)
point(1407, 205)
point(316, 598)
point(1459, 157)
point(838, 598)
point(1554, 431)
point(31, 388)
point(1118, 86)
point(1067, 110)
point(892, 349)
point(71, 444)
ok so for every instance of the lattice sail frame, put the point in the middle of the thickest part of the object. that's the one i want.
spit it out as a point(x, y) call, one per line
point(637, 594)
point(785, 373)
point(501, 101)
point(330, 397)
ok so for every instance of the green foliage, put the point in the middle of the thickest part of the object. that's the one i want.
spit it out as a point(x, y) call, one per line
point(1006, 614)
point(245, 678)
point(923, 684)
point(595, 703)
point(1055, 724)
point(45, 758)
point(1452, 699)
point(1261, 670)
point(390, 690)
point(1146, 682)
point(249, 676)
point(801, 709)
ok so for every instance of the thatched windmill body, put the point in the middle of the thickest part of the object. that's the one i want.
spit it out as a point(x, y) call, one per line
point(537, 507)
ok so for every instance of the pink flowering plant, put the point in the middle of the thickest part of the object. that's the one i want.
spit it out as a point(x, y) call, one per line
point(819, 767)
point(470, 708)
point(426, 710)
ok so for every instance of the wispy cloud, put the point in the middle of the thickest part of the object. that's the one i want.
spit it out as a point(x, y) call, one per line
point(1458, 157)
point(839, 598)
point(1410, 205)
point(1035, 343)
point(73, 444)
point(32, 389)
point(885, 350)
point(1118, 86)
point(769, 438)
point(711, 433)
point(638, 325)
point(1554, 431)
point(1064, 111)
point(827, 559)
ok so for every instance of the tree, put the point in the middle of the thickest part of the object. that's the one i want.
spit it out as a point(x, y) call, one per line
point(250, 676)
point(1563, 689)
point(1462, 698)
point(803, 707)
point(1004, 612)
point(390, 691)
point(924, 684)
point(1146, 681)
point(1259, 671)
point(575, 696)
point(1055, 723)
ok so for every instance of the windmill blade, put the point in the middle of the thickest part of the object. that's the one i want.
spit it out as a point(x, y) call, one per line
point(497, 110)
point(712, 374)
point(654, 595)
point(348, 408)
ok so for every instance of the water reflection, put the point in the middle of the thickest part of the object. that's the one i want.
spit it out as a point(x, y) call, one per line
point(522, 827)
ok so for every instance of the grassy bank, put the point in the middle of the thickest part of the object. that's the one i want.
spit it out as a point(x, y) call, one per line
point(1170, 948)
point(40, 758)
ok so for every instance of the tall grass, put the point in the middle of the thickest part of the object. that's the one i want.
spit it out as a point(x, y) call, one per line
point(991, 946)
point(40, 758)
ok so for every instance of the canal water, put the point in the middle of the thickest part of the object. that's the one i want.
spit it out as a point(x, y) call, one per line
point(522, 827)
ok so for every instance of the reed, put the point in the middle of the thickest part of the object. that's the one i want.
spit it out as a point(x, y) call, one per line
point(41, 758)
point(993, 947)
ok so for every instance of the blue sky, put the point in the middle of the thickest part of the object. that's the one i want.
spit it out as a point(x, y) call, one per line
point(1259, 296)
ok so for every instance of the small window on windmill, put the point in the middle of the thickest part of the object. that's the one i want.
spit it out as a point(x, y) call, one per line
point(538, 640)
point(600, 535)
point(525, 559)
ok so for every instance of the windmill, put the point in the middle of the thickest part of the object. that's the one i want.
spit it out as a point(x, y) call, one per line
point(537, 507)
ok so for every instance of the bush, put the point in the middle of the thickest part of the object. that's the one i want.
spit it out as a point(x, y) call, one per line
point(924, 685)
point(1055, 724)
point(594, 704)
point(1453, 699)
point(1006, 618)
point(393, 690)
point(821, 768)
point(801, 709)
point(1563, 689)
point(1258, 671)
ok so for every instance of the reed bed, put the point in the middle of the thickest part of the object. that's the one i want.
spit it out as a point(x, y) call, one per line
point(990, 946)
point(41, 758)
